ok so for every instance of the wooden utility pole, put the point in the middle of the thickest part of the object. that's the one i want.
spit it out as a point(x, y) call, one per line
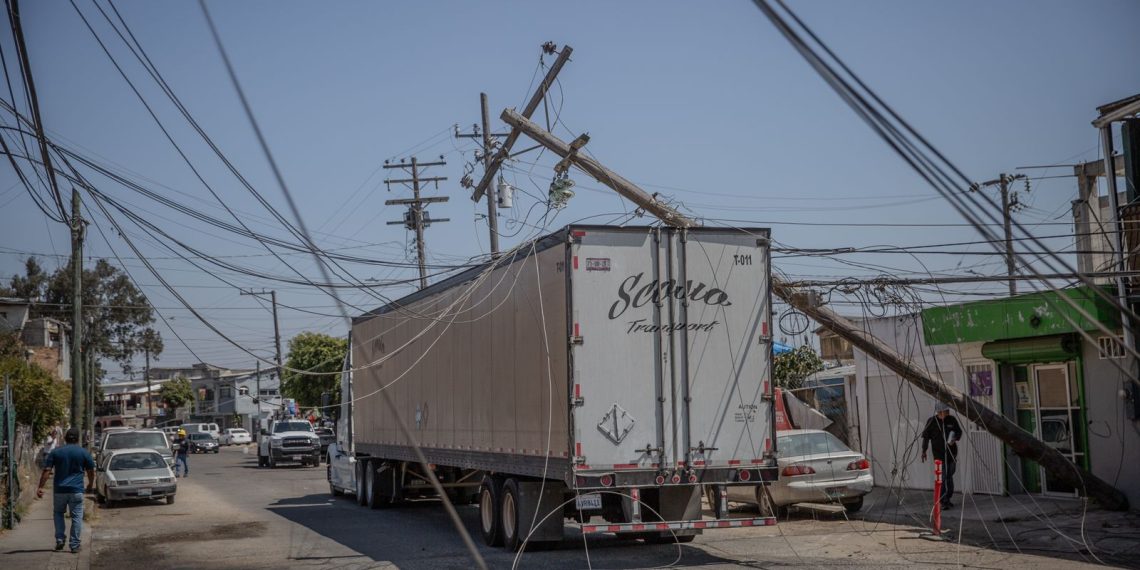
point(492, 166)
point(417, 218)
point(492, 199)
point(1009, 203)
point(276, 327)
point(1019, 441)
point(149, 406)
point(76, 311)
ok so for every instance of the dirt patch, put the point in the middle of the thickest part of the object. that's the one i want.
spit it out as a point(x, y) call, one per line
point(152, 548)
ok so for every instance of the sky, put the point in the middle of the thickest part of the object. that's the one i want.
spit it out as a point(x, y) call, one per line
point(702, 101)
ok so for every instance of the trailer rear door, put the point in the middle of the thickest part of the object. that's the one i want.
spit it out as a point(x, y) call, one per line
point(670, 348)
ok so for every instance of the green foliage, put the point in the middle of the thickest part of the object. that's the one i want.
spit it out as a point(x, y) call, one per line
point(41, 400)
point(11, 346)
point(116, 313)
point(176, 393)
point(792, 367)
point(314, 352)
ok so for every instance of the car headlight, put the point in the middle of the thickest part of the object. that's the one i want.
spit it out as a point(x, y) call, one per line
point(275, 442)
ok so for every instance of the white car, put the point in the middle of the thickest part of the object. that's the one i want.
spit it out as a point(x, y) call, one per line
point(236, 436)
point(134, 473)
point(815, 467)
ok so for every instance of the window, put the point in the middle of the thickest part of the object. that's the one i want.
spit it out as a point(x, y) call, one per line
point(1110, 347)
point(268, 391)
point(243, 391)
point(226, 392)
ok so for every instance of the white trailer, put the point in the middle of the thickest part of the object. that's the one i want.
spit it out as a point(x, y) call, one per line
point(596, 374)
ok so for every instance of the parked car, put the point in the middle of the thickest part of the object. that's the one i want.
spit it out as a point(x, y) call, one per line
point(210, 428)
point(327, 437)
point(130, 439)
point(134, 473)
point(815, 467)
point(236, 436)
point(202, 443)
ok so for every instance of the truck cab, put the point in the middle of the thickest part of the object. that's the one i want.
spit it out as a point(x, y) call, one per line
point(292, 440)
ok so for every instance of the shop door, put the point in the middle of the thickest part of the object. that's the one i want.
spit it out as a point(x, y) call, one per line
point(1058, 420)
point(982, 453)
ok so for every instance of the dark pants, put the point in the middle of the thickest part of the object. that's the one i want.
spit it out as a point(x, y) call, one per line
point(949, 466)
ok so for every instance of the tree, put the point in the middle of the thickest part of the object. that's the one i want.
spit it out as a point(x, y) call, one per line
point(314, 352)
point(116, 314)
point(176, 393)
point(41, 400)
point(793, 366)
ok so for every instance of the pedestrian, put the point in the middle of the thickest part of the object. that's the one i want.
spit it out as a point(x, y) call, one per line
point(69, 463)
point(50, 443)
point(182, 454)
point(942, 433)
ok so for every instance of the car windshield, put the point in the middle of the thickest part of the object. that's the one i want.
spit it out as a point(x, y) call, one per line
point(812, 443)
point(292, 426)
point(200, 436)
point(127, 440)
point(126, 461)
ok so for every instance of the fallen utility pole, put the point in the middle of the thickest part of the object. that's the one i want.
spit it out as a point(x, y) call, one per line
point(1019, 441)
point(491, 168)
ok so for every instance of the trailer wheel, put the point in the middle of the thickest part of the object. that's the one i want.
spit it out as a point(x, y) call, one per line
point(371, 496)
point(361, 486)
point(512, 537)
point(490, 521)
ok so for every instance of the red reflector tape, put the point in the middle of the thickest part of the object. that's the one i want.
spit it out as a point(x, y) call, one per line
point(625, 466)
point(734, 462)
point(638, 527)
point(575, 262)
point(577, 233)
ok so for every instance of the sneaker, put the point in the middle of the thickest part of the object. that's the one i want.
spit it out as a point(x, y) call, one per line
point(947, 506)
point(59, 545)
point(74, 549)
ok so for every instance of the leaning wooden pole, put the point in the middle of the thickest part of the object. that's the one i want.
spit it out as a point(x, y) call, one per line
point(1019, 441)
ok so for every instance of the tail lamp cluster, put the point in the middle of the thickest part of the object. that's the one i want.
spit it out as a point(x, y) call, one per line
point(860, 465)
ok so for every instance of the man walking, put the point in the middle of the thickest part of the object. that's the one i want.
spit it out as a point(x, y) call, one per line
point(942, 433)
point(69, 463)
point(182, 454)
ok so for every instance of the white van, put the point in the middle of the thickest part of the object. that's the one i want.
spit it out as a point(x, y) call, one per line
point(211, 429)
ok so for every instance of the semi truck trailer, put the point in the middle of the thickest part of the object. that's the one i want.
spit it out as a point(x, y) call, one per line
point(598, 377)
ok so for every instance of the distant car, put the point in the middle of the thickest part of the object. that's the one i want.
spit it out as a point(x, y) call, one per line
point(815, 467)
point(202, 443)
point(236, 436)
point(134, 473)
point(327, 437)
point(130, 439)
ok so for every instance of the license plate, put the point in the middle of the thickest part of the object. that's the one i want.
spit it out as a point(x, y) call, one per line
point(588, 502)
point(144, 492)
point(296, 458)
point(835, 492)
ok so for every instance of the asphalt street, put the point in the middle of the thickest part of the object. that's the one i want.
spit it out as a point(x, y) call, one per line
point(231, 514)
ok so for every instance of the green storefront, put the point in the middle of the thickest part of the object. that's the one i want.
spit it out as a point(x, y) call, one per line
point(1035, 345)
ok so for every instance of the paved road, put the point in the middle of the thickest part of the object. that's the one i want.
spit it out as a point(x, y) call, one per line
point(231, 514)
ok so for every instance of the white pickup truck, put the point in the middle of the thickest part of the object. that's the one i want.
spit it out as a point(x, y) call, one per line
point(288, 440)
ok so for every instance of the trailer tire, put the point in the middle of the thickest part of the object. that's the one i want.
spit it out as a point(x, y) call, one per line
point(511, 504)
point(370, 487)
point(490, 520)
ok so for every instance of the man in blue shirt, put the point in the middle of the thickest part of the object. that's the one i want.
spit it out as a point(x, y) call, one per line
point(69, 463)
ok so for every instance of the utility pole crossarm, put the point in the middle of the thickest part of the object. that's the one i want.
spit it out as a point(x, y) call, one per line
point(627, 189)
point(492, 167)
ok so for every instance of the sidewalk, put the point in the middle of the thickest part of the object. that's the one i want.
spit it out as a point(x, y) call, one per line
point(32, 543)
point(1021, 523)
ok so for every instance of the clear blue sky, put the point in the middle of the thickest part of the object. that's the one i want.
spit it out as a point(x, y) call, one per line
point(702, 101)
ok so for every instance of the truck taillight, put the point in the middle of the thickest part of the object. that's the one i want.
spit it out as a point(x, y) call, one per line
point(607, 480)
point(861, 465)
point(794, 470)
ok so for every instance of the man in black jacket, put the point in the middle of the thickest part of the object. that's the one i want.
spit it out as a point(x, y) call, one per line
point(942, 434)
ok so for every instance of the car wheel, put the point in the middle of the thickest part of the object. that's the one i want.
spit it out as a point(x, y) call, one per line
point(170, 499)
point(490, 516)
point(854, 506)
point(766, 504)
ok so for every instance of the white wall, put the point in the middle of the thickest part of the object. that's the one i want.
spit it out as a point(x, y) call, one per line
point(892, 411)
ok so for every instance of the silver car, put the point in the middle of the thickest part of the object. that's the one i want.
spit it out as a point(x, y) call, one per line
point(815, 467)
point(134, 473)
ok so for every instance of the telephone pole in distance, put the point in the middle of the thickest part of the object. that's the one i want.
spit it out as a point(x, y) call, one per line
point(276, 327)
point(416, 218)
point(1009, 204)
